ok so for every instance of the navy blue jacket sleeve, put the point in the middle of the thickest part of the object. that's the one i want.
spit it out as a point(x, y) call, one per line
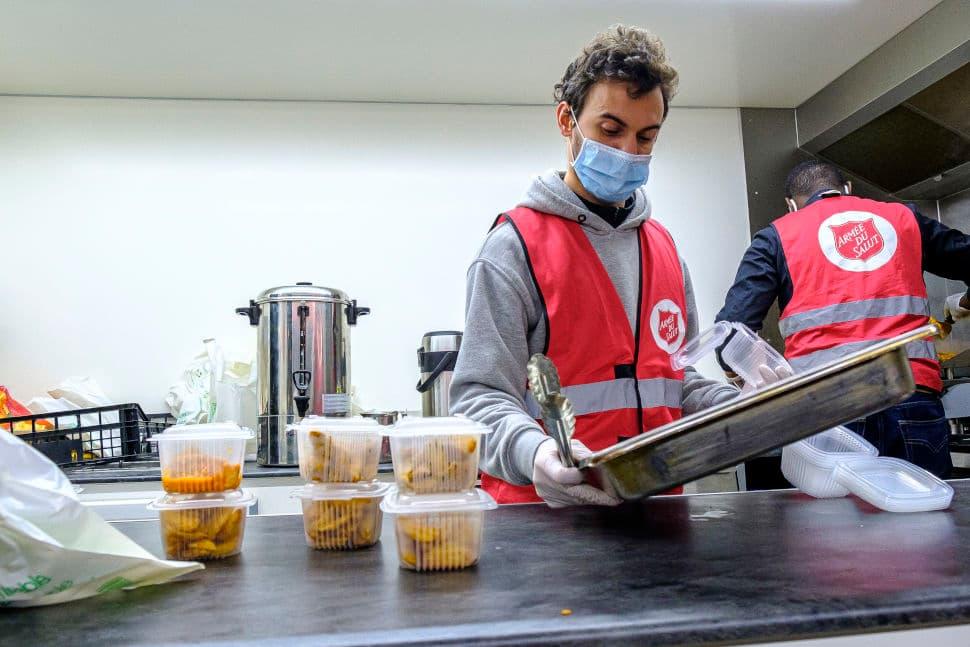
point(946, 252)
point(762, 277)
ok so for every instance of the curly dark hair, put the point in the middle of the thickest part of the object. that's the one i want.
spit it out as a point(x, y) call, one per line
point(620, 53)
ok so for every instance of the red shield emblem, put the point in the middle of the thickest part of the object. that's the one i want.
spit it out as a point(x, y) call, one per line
point(669, 326)
point(857, 240)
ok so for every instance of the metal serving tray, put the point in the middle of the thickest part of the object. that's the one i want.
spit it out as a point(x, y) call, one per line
point(727, 434)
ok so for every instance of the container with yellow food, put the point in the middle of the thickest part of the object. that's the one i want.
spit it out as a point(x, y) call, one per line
point(338, 450)
point(438, 532)
point(436, 455)
point(196, 459)
point(342, 516)
point(202, 526)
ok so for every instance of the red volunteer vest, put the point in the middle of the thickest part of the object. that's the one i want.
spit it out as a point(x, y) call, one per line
point(857, 277)
point(620, 386)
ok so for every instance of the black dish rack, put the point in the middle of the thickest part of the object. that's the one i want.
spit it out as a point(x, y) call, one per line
point(121, 433)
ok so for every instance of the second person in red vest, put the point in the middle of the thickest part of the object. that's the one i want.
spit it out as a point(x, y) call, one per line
point(848, 272)
point(580, 271)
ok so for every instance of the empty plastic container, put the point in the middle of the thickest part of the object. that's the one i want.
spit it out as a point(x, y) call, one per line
point(746, 352)
point(435, 455)
point(196, 459)
point(202, 526)
point(338, 450)
point(438, 532)
point(742, 350)
point(342, 516)
point(895, 485)
point(810, 464)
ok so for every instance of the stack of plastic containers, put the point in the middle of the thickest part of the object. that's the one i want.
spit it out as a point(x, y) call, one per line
point(810, 463)
point(342, 497)
point(203, 511)
point(838, 461)
point(438, 512)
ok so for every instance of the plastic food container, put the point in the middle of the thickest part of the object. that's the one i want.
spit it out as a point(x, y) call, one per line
point(339, 516)
point(202, 458)
point(338, 450)
point(741, 349)
point(438, 532)
point(436, 455)
point(810, 464)
point(894, 485)
point(202, 526)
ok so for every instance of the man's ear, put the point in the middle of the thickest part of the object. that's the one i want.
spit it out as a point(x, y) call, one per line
point(564, 119)
point(847, 188)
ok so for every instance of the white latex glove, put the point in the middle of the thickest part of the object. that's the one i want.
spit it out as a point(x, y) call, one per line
point(562, 486)
point(953, 308)
point(770, 376)
point(766, 376)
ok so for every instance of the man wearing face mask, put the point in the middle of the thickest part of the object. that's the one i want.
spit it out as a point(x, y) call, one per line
point(848, 272)
point(580, 271)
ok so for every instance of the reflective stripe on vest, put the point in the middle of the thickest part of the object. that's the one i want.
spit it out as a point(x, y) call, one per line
point(914, 350)
point(610, 395)
point(853, 311)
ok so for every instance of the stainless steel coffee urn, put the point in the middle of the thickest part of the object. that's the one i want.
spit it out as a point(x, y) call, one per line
point(436, 362)
point(303, 356)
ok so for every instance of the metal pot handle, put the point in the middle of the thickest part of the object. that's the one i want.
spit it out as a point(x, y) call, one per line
point(447, 361)
point(252, 312)
point(353, 312)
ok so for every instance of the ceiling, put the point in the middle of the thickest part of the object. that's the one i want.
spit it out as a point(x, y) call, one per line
point(754, 53)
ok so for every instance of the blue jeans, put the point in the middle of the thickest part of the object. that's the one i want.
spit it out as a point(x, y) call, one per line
point(915, 430)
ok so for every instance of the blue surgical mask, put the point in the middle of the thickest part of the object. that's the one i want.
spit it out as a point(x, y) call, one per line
point(608, 173)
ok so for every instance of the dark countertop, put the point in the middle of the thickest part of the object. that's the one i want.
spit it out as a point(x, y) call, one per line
point(673, 570)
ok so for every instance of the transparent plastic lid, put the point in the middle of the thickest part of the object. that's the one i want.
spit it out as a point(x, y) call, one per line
point(894, 485)
point(467, 501)
point(208, 431)
point(341, 491)
point(440, 426)
point(829, 447)
point(701, 346)
point(233, 498)
point(357, 425)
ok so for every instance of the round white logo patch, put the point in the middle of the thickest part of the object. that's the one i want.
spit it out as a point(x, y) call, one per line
point(667, 325)
point(857, 241)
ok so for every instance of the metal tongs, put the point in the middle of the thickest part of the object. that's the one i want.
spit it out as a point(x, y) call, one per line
point(556, 409)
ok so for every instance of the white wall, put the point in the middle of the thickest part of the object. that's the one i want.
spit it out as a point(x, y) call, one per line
point(131, 229)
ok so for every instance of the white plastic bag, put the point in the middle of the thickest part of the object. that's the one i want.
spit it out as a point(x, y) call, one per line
point(54, 549)
point(188, 399)
point(232, 386)
point(217, 386)
point(81, 392)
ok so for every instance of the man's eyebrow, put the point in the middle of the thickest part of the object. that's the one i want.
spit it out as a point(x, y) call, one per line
point(607, 115)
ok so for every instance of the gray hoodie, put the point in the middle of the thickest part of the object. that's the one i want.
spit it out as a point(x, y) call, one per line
point(504, 326)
